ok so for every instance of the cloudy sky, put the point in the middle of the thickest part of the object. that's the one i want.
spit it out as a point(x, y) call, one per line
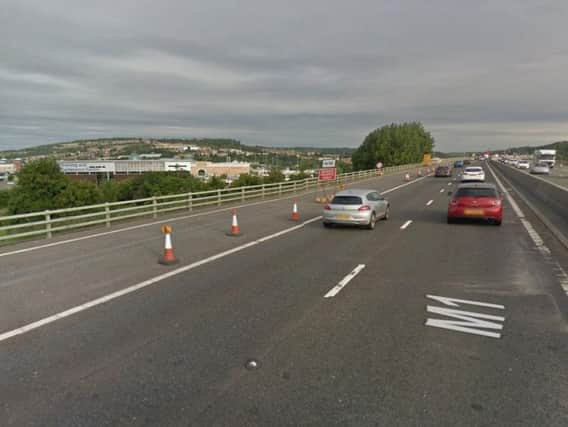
point(479, 74)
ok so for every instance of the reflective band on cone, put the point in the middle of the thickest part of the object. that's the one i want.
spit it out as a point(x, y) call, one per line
point(235, 231)
point(169, 258)
point(295, 214)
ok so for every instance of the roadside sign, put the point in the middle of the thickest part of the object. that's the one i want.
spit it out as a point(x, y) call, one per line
point(327, 174)
point(328, 163)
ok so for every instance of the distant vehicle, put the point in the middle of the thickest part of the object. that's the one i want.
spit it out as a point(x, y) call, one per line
point(547, 156)
point(443, 171)
point(523, 164)
point(458, 164)
point(514, 162)
point(476, 201)
point(473, 173)
point(540, 169)
point(356, 207)
point(467, 162)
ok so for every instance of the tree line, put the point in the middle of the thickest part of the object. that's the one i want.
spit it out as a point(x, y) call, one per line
point(42, 185)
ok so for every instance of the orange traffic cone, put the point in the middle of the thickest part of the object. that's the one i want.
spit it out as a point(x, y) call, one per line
point(295, 214)
point(235, 231)
point(169, 258)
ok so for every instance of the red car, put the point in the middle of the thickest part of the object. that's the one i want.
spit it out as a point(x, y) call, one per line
point(476, 201)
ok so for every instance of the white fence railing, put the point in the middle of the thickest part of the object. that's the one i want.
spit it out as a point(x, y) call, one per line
point(52, 221)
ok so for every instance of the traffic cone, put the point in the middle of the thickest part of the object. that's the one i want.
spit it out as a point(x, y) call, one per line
point(169, 258)
point(407, 177)
point(235, 231)
point(295, 214)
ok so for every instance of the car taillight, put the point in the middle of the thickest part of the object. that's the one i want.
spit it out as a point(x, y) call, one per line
point(327, 207)
point(364, 208)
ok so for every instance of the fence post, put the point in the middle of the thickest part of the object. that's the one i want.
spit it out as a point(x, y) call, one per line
point(243, 194)
point(189, 202)
point(263, 191)
point(294, 184)
point(48, 224)
point(219, 197)
point(154, 207)
point(279, 189)
point(107, 214)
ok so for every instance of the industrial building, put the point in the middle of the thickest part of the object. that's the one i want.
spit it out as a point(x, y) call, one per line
point(111, 168)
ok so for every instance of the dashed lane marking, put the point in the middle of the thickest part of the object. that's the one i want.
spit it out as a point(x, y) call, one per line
point(337, 288)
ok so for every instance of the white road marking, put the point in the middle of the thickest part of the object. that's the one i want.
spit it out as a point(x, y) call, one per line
point(146, 283)
point(101, 300)
point(179, 218)
point(403, 185)
point(429, 202)
point(537, 240)
point(335, 290)
point(442, 190)
point(469, 322)
point(453, 302)
point(511, 201)
point(406, 224)
point(449, 183)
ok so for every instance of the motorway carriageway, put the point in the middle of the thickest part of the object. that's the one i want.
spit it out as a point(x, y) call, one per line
point(417, 322)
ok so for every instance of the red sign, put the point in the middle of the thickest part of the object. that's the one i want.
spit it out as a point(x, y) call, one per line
point(327, 174)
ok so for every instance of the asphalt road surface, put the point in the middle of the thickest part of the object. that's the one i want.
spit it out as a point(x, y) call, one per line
point(414, 323)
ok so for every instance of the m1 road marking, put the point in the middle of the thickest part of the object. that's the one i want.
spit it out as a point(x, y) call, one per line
point(406, 224)
point(429, 202)
point(469, 322)
point(441, 190)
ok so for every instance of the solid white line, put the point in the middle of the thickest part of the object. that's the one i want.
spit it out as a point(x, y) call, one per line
point(429, 202)
point(161, 277)
point(511, 201)
point(442, 190)
point(174, 219)
point(406, 224)
point(404, 185)
point(146, 283)
point(539, 178)
point(335, 290)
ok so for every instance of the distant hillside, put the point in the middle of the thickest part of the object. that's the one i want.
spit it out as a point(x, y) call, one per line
point(106, 147)
point(561, 148)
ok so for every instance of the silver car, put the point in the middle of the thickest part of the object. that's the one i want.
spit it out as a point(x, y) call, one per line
point(540, 168)
point(356, 207)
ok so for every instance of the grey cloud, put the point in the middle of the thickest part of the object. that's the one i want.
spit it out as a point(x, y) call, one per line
point(318, 72)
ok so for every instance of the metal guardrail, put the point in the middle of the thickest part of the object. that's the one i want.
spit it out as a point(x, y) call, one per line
point(52, 221)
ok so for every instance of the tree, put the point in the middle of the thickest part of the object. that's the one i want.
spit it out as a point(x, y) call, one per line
point(393, 144)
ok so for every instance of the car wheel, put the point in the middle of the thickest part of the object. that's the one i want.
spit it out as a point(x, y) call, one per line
point(497, 222)
point(450, 220)
point(372, 221)
point(327, 225)
point(387, 214)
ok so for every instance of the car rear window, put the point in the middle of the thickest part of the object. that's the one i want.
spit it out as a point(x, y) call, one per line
point(476, 192)
point(473, 169)
point(347, 200)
